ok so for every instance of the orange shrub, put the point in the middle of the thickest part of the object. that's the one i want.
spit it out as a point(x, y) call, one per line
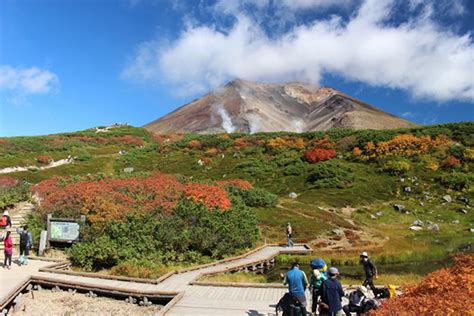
point(443, 292)
point(325, 143)
point(286, 142)
point(194, 144)
point(356, 151)
point(319, 154)
point(210, 196)
point(235, 182)
point(408, 145)
point(44, 159)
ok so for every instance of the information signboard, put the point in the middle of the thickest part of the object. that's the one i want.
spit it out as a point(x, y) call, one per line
point(63, 231)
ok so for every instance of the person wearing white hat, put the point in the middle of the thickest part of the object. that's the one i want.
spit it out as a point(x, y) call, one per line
point(370, 271)
point(357, 300)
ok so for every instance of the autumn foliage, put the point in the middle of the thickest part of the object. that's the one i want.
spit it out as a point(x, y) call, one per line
point(236, 183)
point(8, 182)
point(110, 198)
point(319, 154)
point(43, 159)
point(444, 292)
point(286, 142)
point(406, 145)
point(450, 162)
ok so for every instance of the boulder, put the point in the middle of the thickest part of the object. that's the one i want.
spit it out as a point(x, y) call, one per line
point(292, 195)
point(128, 170)
point(447, 198)
point(379, 213)
point(399, 207)
point(416, 228)
point(471, 230)
point(337, 231)
point(463, 211)
point(422, 204)
point(463, 199)
point(407, 189)
point(434, 227)
point(418, 223)
point(455, 222)
point(373, 216)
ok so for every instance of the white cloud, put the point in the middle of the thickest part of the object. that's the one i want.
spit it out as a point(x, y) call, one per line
point(26, 81)
point(417, 56)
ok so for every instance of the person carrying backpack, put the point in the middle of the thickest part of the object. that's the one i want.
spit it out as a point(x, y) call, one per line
point(370, 271)
point(316, 281)
point(331, 295)
point(26, 242)
point(357, 300)
point(5, 220)
point(8, 250)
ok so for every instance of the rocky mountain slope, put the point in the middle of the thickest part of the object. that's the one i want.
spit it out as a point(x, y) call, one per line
point(243, 106)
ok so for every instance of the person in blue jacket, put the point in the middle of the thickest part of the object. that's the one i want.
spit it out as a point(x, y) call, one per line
point(332, 294)
point(297, 284)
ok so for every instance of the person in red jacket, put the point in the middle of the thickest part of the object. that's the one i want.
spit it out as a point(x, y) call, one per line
point(8, 250)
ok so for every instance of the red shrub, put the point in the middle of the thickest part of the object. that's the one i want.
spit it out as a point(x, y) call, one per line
point(129, 140)
point(109, 199)
point(450, 162)
point(8, 182)
point(319, 154)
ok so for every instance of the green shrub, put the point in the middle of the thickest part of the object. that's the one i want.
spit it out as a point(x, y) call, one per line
point(9, 196)
point(457, 180)
point(330, 174)
point(254, 197)
point(191, 233)
point(81, 154)
point(396, 166)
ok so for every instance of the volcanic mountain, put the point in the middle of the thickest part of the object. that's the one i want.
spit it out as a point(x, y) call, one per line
point(243, 106)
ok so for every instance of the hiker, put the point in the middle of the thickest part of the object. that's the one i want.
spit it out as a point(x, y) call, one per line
point(370, 271)
point(316, 281)
point(297, 283)
point(26, 241)
point(357, 300)
point(8, 250)
point(5, 221)
point(331, 295)
point(289, 231)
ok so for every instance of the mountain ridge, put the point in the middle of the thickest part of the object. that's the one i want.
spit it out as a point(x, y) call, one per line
point(244, 106)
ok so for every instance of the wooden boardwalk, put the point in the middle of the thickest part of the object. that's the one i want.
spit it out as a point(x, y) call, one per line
point(196, 299)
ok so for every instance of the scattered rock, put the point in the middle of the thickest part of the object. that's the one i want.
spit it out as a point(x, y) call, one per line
point(128, 170)
point(399, 207)
point(463, 199)
point(380, 213)
point(373, 216)
point(463, 211)
point(418, 223)
point(407, 189)
point(447, 198)
point(433, 227)
point(455, 222)
point(429, 222)
point(402, 180)
point(292, 195)
point(337, 231)
point(422, 204)
point(416, 228)
point(471, 230)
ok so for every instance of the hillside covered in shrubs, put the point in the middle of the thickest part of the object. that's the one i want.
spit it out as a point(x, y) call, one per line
point(341, 189)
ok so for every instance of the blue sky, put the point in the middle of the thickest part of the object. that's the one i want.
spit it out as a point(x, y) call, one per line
point(70, 65)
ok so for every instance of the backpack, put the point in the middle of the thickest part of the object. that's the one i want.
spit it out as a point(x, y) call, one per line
point(4, 221)
point(355, 298)
point(382, 293)
point(24, 238)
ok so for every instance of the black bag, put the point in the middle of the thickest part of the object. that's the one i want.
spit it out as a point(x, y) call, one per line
point(382, 293)
point(24, 239)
